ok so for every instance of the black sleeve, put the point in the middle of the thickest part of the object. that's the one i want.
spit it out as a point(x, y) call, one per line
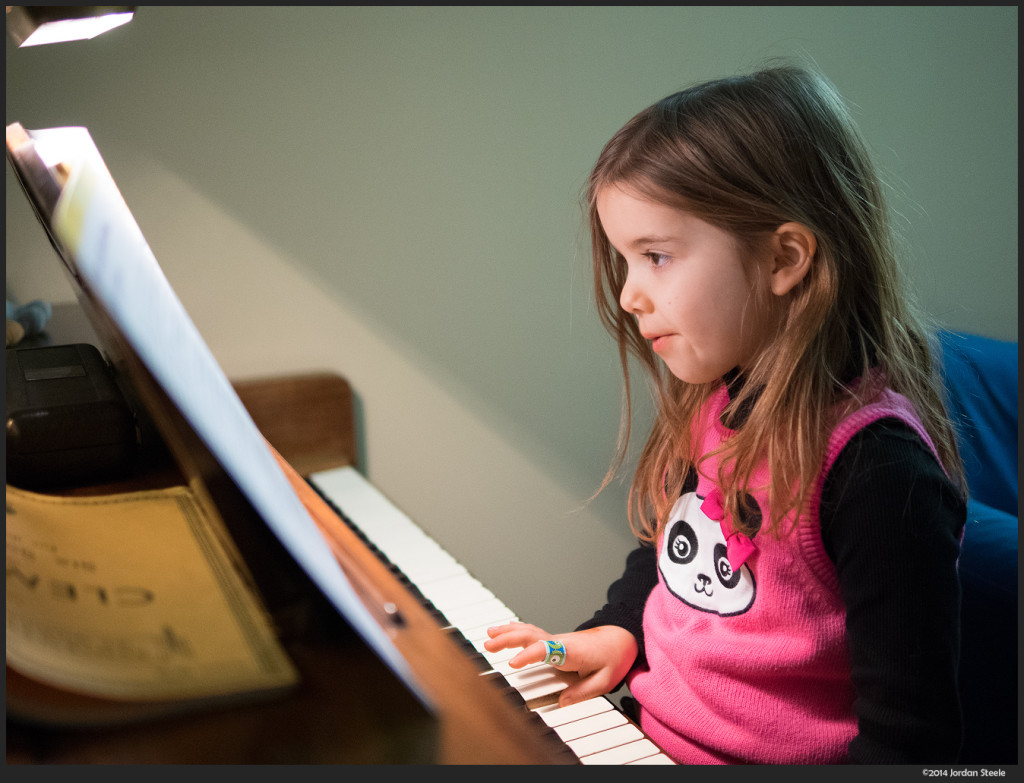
point(891, 522)
point(628, 595)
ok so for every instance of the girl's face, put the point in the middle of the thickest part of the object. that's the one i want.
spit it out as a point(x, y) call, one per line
point(686, 284)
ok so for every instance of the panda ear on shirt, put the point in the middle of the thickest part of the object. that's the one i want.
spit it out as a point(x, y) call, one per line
point(690, 482)
point(750, 514)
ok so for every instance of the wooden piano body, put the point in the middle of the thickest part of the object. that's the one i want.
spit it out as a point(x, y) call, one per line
point(347, 709)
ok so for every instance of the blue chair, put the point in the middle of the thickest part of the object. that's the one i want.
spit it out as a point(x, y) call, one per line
point(980, 376)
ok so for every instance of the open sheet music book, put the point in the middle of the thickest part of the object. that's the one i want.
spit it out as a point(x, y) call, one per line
point(136, 597)
point(197, 411)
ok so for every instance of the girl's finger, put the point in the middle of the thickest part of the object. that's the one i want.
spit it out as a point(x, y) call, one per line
point(532, 653)
point(512, 635)
point(548, 651)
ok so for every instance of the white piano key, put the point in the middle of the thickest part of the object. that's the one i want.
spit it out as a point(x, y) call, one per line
point(412, 549)
point(423, 572)
point(451, 601)
point(553, 715)
point(497, 657)
point(376, 523)
point(390, 530)
point(477, 614)
point(503, 667)
point(420, 571)
point(595, 743)
point(592, 725)
point(622, 754)
point(538, 682)
point(657, 758)
point(460, 586)
point(478, 634)
point(631, 753)
point(458, 615)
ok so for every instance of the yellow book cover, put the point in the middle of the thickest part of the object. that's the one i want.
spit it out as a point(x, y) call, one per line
point(133, 597)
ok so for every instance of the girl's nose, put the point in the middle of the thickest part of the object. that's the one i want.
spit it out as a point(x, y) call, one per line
point(632, 298)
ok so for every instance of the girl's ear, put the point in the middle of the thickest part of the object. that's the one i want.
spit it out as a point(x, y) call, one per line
point(793, 247)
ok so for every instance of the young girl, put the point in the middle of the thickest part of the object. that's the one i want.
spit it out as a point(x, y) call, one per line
point(799, 502)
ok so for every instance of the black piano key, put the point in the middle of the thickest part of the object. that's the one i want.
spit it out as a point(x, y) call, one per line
point(504, 688)
point(472, 653)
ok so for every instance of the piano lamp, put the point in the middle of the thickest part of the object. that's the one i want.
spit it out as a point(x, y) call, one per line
point(32, 25)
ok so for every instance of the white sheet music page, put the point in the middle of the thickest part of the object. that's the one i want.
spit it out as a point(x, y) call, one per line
point(111, 256)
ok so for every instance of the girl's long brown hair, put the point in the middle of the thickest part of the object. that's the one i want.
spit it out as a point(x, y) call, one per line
point(748, 154)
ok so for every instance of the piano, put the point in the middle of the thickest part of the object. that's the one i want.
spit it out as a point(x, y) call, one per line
point(436, 613)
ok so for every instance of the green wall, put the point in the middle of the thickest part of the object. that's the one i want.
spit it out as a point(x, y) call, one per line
point(421, 167)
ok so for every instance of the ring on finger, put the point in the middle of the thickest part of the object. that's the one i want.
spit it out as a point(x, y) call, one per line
point(554, 653)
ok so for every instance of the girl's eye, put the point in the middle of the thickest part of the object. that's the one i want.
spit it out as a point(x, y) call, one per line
point(657, 259)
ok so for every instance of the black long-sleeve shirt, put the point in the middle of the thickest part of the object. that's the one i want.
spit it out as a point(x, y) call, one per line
point(891, 522)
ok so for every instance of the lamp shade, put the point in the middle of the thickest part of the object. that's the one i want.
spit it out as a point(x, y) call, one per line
point(32, 25)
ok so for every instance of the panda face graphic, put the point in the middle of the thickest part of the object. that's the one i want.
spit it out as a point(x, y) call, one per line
point(694, 565)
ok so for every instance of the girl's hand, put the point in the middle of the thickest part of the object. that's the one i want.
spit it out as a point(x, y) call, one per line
point(601, 655)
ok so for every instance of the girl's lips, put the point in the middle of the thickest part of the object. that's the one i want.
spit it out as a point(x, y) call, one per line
point(657, 341)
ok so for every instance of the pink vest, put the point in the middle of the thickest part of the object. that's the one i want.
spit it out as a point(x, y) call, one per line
point(747, 661)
